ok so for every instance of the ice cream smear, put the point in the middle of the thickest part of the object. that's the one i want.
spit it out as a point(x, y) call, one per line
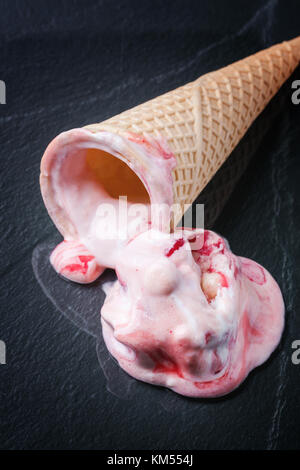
point(184, 312)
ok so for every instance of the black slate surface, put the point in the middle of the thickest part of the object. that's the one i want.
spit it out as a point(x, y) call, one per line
point(70, 63)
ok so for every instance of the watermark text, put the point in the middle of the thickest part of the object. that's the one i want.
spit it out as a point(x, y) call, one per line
point(2, 92)
point(296, 94)
point(2, 352)
point(296, 353)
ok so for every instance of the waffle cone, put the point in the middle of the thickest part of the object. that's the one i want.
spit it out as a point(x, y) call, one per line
point(204, 120)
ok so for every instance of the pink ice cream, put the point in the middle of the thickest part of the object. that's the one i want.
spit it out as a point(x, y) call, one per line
point(185, 312)
point(196, 320)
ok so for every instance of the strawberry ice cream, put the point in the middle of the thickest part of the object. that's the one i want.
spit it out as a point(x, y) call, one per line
point(185, 312)
point(196, 320)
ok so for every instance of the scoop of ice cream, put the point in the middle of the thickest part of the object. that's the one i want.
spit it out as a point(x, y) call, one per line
point(188, 314)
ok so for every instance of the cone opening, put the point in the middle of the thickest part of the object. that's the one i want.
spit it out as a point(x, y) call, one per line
point(83, 178)
point(115, 176)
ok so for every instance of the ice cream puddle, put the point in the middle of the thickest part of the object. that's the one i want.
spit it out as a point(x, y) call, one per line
point(185, 312)
point(194, 320)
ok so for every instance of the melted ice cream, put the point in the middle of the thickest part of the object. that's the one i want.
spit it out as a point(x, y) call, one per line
point(185, 312)
point(196, 320)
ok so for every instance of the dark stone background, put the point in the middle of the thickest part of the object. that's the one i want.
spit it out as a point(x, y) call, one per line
point(70, 63)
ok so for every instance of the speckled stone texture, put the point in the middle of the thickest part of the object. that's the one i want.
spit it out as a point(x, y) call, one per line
point(70, 63)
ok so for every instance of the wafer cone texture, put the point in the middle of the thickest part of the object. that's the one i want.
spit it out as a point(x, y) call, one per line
point(204, 120)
